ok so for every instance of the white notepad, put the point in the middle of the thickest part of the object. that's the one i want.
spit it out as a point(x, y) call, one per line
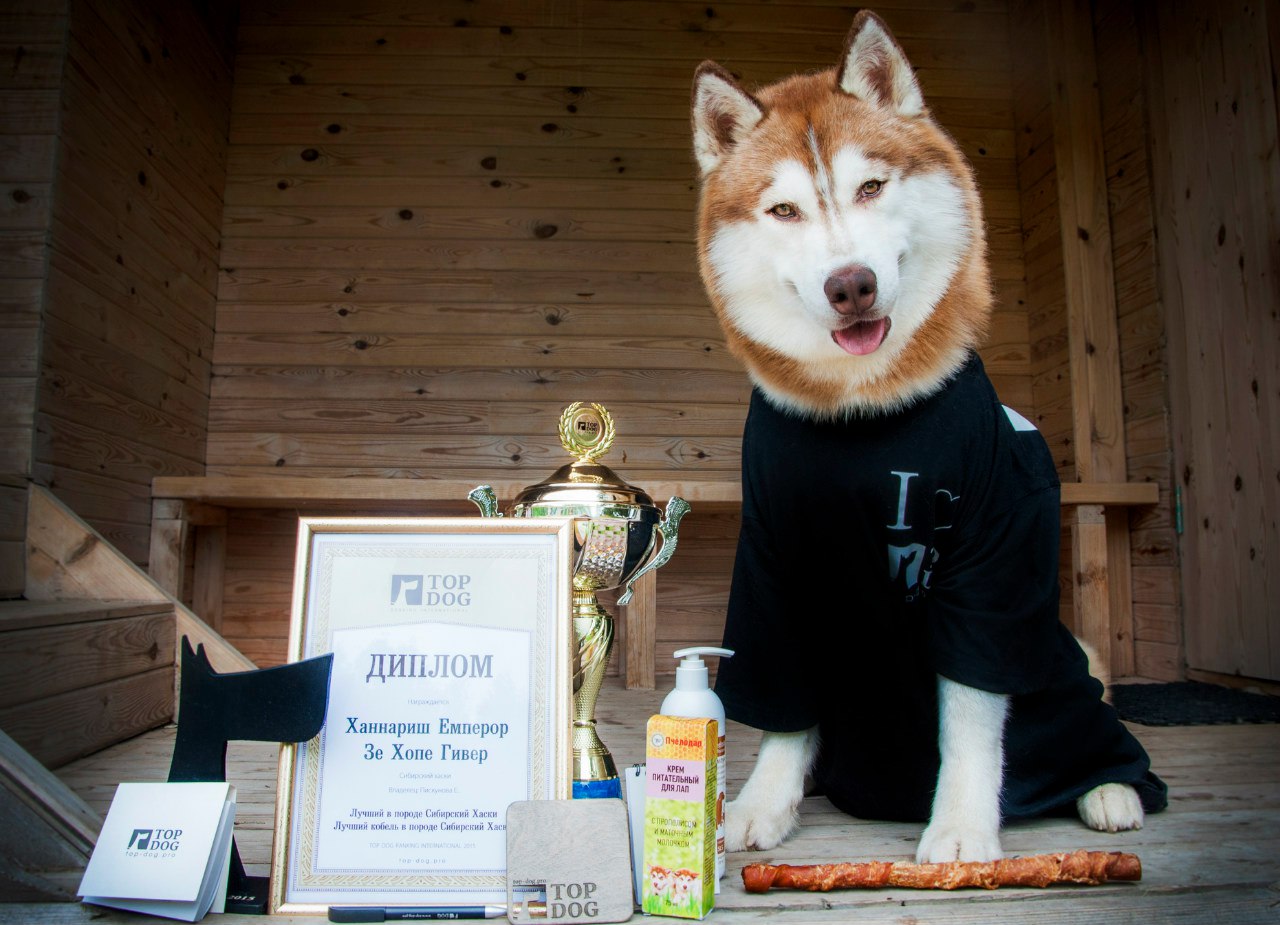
point(165, 849)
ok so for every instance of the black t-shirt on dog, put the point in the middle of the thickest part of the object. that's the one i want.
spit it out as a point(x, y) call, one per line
point(879, 552)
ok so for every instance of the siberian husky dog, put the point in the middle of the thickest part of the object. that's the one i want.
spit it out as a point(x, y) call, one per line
point(841, 242)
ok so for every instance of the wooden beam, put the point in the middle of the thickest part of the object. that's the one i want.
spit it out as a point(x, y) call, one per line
point(640, 621)
point(48, 831)
point(166, 563)
point(1110, 494)
point(1097, 403)
point(210, 571)
point(1085, 223)
point(1091, 592)
point(304, 491)
point(1119, 593)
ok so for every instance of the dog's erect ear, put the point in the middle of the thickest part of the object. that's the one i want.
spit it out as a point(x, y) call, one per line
point(875, 70)
point(722, 114)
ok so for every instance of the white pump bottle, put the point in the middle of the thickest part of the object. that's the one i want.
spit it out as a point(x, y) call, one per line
point(694, 697)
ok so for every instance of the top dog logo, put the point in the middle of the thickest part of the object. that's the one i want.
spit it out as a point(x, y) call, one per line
point(154, 841)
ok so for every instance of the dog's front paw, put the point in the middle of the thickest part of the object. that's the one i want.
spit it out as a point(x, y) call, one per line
point(1111, 808)
point(757, 825)
point(958, 840)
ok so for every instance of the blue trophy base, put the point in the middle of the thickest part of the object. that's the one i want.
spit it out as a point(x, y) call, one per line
point(597, 789)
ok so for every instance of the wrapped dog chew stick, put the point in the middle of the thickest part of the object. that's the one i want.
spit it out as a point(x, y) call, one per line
point(1088, 868)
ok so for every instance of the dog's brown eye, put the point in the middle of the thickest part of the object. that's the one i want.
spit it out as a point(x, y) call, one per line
point(870, 189)
point(785, 211)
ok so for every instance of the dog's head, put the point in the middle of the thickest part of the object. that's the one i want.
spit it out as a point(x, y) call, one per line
point(840, 232)
point(659, 880)
point(683, 882)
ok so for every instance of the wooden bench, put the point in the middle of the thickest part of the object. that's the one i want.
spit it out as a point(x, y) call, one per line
point(196, 508)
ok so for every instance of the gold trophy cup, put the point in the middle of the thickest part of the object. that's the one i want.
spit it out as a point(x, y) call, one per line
point(619, 535)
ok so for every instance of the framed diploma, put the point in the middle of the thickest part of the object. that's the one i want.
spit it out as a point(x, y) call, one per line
point(450, 699)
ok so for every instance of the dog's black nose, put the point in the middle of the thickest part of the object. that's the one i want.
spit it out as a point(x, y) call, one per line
point(851, 290)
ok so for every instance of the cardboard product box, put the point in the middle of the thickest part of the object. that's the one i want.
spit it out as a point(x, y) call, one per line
point(680, 817)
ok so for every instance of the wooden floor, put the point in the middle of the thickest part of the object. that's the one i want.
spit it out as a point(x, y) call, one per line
point(1212, 857)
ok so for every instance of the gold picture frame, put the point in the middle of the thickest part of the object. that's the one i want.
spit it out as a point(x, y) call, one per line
point(450, 698)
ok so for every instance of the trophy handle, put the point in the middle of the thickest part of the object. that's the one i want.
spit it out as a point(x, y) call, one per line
point(484, 497)
point(669, 529)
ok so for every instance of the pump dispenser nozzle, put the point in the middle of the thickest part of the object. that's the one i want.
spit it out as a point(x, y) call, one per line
point(691, 673)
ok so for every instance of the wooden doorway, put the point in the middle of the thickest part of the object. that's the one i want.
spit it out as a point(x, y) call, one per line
point(1217, 185)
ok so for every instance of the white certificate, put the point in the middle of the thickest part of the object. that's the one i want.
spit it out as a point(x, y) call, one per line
point(449, 700)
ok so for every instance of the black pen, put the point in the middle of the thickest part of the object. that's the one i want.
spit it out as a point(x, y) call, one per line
point(413, 913)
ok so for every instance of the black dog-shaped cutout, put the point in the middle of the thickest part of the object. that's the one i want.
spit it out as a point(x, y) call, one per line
point(282, 704)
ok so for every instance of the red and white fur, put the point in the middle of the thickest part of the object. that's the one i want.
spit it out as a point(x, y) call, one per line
point(842, 245)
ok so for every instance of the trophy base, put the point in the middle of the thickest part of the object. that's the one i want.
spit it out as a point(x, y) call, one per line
point(597, 789)
point(593, 766)
point(594, 773)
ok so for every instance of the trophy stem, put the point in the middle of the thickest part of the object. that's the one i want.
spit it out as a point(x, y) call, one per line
point(594, 773)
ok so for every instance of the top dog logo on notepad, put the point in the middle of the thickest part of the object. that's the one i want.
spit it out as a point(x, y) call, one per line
point(164, 849)
point(154, 842)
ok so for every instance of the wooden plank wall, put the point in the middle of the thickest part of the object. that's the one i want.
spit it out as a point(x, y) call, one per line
point(136, 220)
point(32, 49)
point(446, 221)
point(1215, 153)
point(1153, 545)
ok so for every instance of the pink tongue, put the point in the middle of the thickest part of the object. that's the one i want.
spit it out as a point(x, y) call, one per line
point(863, 337)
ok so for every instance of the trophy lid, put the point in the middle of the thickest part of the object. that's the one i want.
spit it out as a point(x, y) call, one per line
point(585, 487)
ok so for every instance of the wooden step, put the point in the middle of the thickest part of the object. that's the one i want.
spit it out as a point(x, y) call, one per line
point(16, 615)
point(78, 676)
point(69, 561)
